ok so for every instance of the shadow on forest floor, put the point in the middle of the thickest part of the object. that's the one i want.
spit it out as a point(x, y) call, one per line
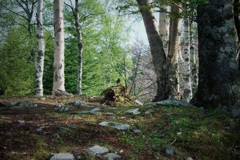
point(156, 132)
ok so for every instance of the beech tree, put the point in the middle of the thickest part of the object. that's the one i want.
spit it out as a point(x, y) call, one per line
point(58, 77)
point(163, 25)
point(41, 50)
point(75, 11)
point(164, 64)
point(218, 55)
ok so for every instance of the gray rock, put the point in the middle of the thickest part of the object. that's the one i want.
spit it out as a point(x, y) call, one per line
point(95, 111)
point(39, 129)
point(169, 151)
point(149, 106)
point(149, 111)
point(115, 125)
point(63, 108)
point(17, 107)
point(78, 103)
point(122, 127)
point(137, 131)
point(43, 98)
point(104, 124)
point(28, 104)
point(14, 103)
point(72, 126)
point(189, 158)
point(133, 111)
point(174, 102)
point(111, 156)
point(97, 150)
point(21, 122)
point(62, 156)
point(86, 105)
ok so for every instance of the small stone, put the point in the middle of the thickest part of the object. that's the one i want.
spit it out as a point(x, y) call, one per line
point(103, 124)
point(78, 103)
point(133, 111)
point(122, 126)
point(86, 106)
point(137, 131)
point(62, 156)
point(21, 122)
point(169, 151)
point(97, 150)
point(95, 111)
point(189, 158)
point(111, 156)
point(39, 129)
point(43, 98)
point(227, 128)
point(71, 126)
point(149, 111)
point(14, 103)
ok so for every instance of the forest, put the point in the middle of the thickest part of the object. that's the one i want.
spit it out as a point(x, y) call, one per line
point(77, 80)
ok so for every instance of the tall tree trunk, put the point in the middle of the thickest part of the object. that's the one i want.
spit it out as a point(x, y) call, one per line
point(193, 61)
point(58, 79)
point(218, 58)
point(163, 25)
point(185, 62)
point(174, 50)
point(41, 50)
point(80, 46)
point(157, 51)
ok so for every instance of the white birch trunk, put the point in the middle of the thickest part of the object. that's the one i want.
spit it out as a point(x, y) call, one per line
point(194, 61)
point(41, 50)
point(185, 64)
point(58, 79)
point(163, 26)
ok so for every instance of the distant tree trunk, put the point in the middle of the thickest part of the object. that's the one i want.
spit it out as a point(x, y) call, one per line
point(160, 61)
point(174, 50)
point(218, 58)
point(58, 79)
point(41, 50)
point(80, 46)
point(185, 62)
point(163, 25)
point(75, 12)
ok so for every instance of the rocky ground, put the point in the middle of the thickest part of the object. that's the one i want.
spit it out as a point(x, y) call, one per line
point(81, 128)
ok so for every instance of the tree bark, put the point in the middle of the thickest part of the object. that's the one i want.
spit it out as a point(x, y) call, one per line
point(58, 79)
point(41, 50)
point(185, 71)
point(80, 46)
point(157, 51)
point(174, 51)
point(163, 26)
point(218, 57)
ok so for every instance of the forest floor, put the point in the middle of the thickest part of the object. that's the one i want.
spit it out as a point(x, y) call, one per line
point(189, 132)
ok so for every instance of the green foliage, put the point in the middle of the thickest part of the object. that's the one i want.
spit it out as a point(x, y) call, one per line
point(48, 63)
point(103, 53)
point(17, 67)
